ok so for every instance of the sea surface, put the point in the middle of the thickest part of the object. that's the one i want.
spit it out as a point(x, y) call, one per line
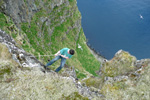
point(111, 25)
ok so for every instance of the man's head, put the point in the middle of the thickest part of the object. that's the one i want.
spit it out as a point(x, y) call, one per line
point(71, 51)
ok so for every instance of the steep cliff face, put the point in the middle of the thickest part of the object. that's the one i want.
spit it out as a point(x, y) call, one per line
point(42, 27)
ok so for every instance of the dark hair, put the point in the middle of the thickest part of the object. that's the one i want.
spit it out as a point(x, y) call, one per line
point(71, 51)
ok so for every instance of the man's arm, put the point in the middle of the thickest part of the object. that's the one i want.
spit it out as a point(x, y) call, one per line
point(58, 53)
point(64, 56)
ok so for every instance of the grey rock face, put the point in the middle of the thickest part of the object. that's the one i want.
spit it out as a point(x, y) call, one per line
point(16, 10)
point(22, 11)
point(142, 63)
point(19, 55)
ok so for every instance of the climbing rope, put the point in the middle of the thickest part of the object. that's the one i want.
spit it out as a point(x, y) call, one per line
point(40, 55)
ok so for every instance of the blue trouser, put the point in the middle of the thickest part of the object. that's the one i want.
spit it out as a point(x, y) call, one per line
point(63, 61)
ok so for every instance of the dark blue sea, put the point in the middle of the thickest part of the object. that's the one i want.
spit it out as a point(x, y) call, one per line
point(111, 25)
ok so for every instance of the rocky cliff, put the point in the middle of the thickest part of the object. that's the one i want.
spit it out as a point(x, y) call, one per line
point(123, 78)
point(32, 28)
point(42, 27)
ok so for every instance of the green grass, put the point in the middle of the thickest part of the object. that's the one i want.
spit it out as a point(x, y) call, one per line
point(7, 25)
point(80, 75)
point(4, 71)
point(71, 0)
point(91, 64)
point(93, 82)
point(74, 96)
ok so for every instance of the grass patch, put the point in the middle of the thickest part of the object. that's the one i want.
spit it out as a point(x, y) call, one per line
point(93, 81)
point(80, 75)
point(88, 61)
point(74, 96)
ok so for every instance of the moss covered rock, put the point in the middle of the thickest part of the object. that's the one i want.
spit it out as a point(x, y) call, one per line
point(121, 64)
point(134, 88)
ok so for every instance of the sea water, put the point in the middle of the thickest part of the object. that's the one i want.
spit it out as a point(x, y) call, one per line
point(111, 25)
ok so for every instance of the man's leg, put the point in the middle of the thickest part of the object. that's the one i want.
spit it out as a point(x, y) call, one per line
point(63, 61)
point(52, 61)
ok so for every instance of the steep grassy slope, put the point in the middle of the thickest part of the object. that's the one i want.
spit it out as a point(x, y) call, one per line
point(53, 26)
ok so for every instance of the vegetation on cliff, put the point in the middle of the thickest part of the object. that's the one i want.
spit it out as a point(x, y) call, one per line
point(31, 83)
point(121, 79)
point(51, 27)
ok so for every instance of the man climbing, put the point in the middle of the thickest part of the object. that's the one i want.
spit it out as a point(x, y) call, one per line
point(62, 54)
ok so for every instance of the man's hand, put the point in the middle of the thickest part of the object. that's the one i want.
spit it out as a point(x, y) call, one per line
point(67, 58)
